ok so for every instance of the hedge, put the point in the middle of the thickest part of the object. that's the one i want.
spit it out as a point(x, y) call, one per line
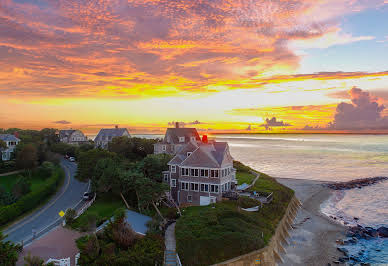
point(32, 199)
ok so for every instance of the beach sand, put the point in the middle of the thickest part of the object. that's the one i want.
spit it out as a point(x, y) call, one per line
point(312, 241)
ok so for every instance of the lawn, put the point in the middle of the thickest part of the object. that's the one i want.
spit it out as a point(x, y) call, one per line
point(222, 231)
point(8, 181)
point(103, 208)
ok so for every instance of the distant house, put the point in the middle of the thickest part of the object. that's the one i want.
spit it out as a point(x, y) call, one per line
point(107, 134)
point(11, 142)
point(72, 136)
point(175, 139)
point(200, 172)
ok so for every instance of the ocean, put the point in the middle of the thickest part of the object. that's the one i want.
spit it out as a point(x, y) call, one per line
point(328, 158)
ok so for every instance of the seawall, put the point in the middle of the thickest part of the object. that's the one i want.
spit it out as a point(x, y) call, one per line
point(271, 254)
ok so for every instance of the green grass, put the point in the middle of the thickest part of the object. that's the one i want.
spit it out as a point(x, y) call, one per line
point(244, 177)
point(8, 181)
point(224, 232)
point(104, 208)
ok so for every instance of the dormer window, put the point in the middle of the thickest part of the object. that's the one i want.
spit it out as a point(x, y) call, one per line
point(181, 139)
point(163, 147)
point(192, 138)
point(189, 153)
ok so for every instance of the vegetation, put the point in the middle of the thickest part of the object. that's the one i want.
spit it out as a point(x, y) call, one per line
point(103, 208)
point(9, 252)
point(118, 245)
point(38, 195)
point(133, 149)
point(222, 231)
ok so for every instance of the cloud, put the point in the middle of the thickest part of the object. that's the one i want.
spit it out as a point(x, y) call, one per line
point(364, 112)
point(63, 122)
point(183, 124)
point(153, 48)
point(269, 123)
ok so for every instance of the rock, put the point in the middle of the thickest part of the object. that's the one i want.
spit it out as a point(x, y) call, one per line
point(372, 232)
point(340, 241)
point(336, 262)
point(365, 264)
point(383, 231)
point(344, 251)
point(356, 218)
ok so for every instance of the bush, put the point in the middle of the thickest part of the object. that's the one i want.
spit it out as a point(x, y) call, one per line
point(7, 166)
point(70, 216)
point(247, 202)
point(172, 214)
point(46, 169)
point(21, 187)
point(32, 199)
point(6, 198)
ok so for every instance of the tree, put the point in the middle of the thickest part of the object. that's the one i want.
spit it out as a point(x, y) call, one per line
point(3, 146)
point(154, 164)
point(21, 187)
point(35, 261)
point(132, 148)
point(88, 160)
point(9, 252)
point(27, 157)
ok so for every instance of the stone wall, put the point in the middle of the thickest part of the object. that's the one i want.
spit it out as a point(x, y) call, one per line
point(271, 254)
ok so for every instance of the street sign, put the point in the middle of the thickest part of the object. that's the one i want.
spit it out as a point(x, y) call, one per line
point(61, 213)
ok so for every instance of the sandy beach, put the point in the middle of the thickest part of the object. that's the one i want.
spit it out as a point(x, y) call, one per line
point(312, 241)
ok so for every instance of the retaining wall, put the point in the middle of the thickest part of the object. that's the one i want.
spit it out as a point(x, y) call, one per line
point(271, 254)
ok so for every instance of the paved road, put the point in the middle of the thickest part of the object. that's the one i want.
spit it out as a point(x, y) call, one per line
point(47, 217)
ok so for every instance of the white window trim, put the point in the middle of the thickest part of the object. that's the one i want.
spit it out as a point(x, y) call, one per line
point(194, 186)
point(173, 168)
point(164, 148)
point(181, 139)
point(189, 200)
point(173, 182)
point(189, 153)
point(164, 177)
point(183, 187)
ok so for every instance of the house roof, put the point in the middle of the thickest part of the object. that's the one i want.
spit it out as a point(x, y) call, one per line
point(65, 133)
point(8, 137)
point(173, 134)
point(110, 133)
point(209, 155)
point(182, 154)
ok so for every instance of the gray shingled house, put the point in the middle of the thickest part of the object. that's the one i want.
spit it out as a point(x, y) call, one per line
point(11, 141)
point(107, 134)
point(72, 136)
point(200, 172)
point(175, 139)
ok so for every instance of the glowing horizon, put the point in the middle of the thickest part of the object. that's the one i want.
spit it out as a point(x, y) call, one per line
point(221, 66)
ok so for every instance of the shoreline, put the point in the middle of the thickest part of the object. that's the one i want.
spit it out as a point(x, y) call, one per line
point(313, 238)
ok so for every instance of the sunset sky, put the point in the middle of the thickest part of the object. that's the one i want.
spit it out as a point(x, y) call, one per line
point(219, 65)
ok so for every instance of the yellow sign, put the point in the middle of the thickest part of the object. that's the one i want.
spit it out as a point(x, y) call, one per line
point(61, 213)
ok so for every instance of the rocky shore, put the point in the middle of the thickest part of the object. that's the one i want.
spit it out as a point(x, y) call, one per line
point(357, 183)
point(353, 235)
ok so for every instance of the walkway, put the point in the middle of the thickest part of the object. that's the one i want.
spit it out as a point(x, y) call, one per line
point(11, 173)
point(170, 255)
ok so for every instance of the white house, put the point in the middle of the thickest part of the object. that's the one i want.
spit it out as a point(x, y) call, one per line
point(72, 136)
point(11, 141)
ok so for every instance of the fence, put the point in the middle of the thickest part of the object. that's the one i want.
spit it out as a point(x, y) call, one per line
point(59, 262)
point(85, 207)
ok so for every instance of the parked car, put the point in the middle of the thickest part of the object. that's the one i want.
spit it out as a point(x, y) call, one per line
point(72, 159)
point(88, 195)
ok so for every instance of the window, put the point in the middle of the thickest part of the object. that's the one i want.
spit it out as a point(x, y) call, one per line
point(184, 186)
point(214, 173)
point(192, 138)
point(165, 177)
point(163, 147)
point(185, 171)
point(173, 182)
point(214, 188)
point(204, 187)
point(189, 198)
point(173, 168)
point(189, 153)
point(181, 139)
point(204, 173)
point(196, 172)
point(194, 186)
point(192, 172)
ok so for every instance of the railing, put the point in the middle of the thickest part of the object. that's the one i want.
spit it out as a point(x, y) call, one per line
point(85, 207)
point(59, 262)
point(178, 260)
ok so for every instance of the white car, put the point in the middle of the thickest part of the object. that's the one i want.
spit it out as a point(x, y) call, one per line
point(72, 159)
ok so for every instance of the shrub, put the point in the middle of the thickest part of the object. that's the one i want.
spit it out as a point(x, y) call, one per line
point(46, 169)
point(32, 199)
point(21, 187)
point(70, 216)
point(172, 214)
point(247, 202)
point(7, 166)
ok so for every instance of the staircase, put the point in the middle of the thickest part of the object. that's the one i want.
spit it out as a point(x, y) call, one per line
point(170, 256)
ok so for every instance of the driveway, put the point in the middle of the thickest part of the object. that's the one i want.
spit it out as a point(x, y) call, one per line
point(47, 217)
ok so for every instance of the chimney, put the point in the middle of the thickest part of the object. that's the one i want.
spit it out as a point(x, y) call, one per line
point(204, 138)
point(116, 126)
point(176, 124)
